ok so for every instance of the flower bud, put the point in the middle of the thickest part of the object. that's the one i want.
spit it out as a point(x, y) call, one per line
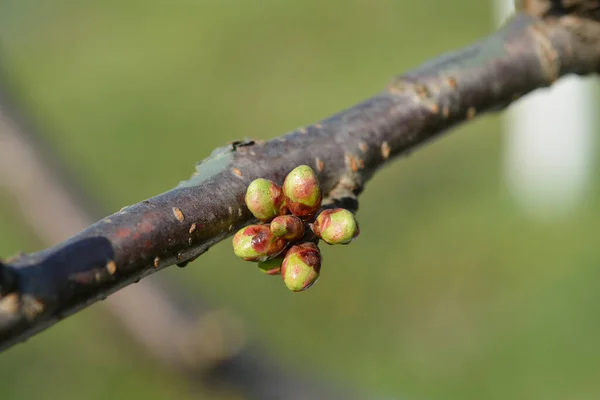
point(271, 267)
point(264, 199)
point(287, 227)
point(302, 192)
point(301, 267)
point(257, 243)
point(336, 226)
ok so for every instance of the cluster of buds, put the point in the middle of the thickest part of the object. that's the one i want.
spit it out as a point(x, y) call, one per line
point(286, 242)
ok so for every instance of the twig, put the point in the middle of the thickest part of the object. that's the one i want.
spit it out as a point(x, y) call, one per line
point(532, 51)
point(206, 345)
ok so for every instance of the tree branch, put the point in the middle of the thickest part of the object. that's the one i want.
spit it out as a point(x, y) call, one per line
point(175, 227)
point(206, 346)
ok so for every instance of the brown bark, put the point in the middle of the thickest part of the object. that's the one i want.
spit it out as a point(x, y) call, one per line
point(551, 39)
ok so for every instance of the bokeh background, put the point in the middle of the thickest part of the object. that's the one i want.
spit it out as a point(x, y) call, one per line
point(451, 292)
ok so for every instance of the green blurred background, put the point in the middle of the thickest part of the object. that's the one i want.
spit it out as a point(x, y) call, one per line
point(466, 299)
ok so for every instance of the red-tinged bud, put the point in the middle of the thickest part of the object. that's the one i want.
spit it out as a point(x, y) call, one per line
point(271, 267)
point(301, 266)
point(264, 199)
point(302, 192)
point(336, 226)
point(288, 227)
point(257, 243)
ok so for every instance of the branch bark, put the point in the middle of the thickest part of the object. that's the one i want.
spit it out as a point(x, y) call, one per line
point(550, 39)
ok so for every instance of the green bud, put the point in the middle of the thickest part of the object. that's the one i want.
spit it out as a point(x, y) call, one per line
point(257, 243)
point(336, 226)
point(301, 266)
point(271, 267)
point(288, 227)
point(302, 192)
point(264, 199)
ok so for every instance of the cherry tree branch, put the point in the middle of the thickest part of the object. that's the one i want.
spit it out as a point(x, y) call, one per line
point(548, 40)
point(205, 345)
